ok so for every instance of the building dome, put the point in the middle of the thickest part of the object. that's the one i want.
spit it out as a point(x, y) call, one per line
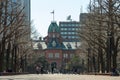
point(53, 27)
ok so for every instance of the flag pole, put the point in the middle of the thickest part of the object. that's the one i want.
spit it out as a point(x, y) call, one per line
point(53, 14)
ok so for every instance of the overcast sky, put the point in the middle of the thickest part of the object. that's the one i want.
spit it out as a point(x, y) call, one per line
point(42, 17)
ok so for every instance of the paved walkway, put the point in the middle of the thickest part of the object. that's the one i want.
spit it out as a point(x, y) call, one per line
point(58, 77)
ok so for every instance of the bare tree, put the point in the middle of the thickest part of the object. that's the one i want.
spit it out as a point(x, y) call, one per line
point(101, 32)
point(14, 33)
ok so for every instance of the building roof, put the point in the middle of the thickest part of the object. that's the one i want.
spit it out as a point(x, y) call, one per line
point(72, 45)
point(37, 43)
point(67, 45)
point(53, 27)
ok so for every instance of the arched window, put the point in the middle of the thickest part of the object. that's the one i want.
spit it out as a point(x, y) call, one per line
point(39, 46)
point(69, 46)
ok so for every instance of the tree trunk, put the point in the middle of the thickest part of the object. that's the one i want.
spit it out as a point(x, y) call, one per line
point(114, 57)
point(108, 55)
point(7, 59)
point(15, 59)
point(2, 63)
point(12, 59)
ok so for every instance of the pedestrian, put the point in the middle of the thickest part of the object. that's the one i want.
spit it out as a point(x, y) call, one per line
point(115, 72)
point(37, 69)
point(52, 70)
point(42, 70)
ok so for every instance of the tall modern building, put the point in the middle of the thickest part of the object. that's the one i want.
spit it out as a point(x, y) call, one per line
point(26, 4)
point(27, 11)
point(69, 30)
point(83, 17)
point(12, 9)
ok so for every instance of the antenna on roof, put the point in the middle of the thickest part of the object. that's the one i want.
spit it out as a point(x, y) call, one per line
point(69, 18)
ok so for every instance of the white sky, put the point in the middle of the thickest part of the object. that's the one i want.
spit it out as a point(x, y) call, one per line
point(41, 16)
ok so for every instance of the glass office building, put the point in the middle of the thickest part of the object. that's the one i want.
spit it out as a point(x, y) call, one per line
point(69, 31)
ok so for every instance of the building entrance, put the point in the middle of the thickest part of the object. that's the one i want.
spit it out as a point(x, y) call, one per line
point(53, 67)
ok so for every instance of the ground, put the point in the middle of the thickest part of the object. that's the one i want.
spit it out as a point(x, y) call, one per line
point(58, 77)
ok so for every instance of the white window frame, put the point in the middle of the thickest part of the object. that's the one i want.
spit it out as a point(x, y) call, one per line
point(50, 55)
point(57, 55)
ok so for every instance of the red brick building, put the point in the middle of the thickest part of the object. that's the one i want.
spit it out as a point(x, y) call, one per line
point(57, 52)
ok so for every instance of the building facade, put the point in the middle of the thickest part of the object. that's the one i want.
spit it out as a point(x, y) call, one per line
point(57, 51)
point(69, 30)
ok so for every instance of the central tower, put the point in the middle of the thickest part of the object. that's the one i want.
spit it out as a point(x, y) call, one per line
point(54, 39)
point(55, 46)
